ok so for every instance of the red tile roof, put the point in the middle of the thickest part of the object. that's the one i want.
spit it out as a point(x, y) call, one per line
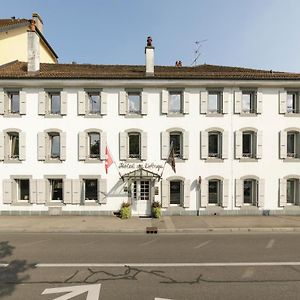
point(10, 22)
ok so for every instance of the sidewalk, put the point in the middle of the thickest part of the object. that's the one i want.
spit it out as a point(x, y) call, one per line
point(166, 224)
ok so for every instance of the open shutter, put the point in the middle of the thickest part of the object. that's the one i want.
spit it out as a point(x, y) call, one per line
point(261, 193)
point(41, 191)
point(41, 146)
point(22, 146)
point(186, 193)
point(67, 191)
point(144, 146)
point(122, 103)
point(237, 102)
point(63, 146)
point(203, 102)
point(42, 103)
point(282, 102)
point(204, 193)
point(186, 102)
point(283, 144)
point(81, 102)
point(225, 194)
point(7, 191)
point(102, 191)
point(33, 191)
point(259, 137)
point(225, 144)
point(1, 102)
point(225, 103)
point(1, 145)
point(204, 144)
point(238, 144)
point(185, 154)
point(282, 192)
point(123, 145)
point(103, 144)
point(165, 144)
point(144, 103)
point(165, 199)
point(64, 102)
point(239, 192)
point(259, 102)
point(103, 107)
point(164, 101)
point(82, 151)
point(76, 191)
point(22, 103)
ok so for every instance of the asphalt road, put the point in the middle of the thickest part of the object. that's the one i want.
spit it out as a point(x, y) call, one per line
point(140, 266)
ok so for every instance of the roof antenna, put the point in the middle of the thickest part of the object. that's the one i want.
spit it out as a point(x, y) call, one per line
point(197, 53)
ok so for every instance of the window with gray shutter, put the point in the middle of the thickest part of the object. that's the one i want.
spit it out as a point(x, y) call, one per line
point(1, 102)
point(41, 146)
point(76, 191)
point(204, 144)
point(81, 102)
point(63, 146)
point(186, 193)
point(259, 102)
point(237, 102)
point(82, 151)
point(67, 190)
point(33, 191)
point(102, 186)
point(165, 142)
point(238, 144)
point(1, 145)
point(103, 105)
point(165, 193)
point(144, 146)
point(239, 192)
point(204, 193)
point(283, 144)
point(41, 191)
point(185, 154)
point(103, 144)
point(22, 146)
point(282, 102)
point(164, 101)
point(282, 192)
point(42, 103)
point(144, 109)
point(64, 102)
point(225, 144)
point(186, 102)
point(225, 105)
point(123, 145)
point(7, 191)
point(225, 194)
point(22, 103)
point(259, 137)
point(203, 102)
point(122, 103)
point(261, 193)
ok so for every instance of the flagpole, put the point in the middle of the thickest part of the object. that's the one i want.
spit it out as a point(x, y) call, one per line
point(171, 148)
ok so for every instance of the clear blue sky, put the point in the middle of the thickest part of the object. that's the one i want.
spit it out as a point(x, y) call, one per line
point(260, 34)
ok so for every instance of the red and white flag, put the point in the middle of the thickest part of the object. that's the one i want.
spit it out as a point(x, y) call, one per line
point(108, 160)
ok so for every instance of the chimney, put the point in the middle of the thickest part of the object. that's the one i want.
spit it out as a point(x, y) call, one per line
point(38, 21)
point(33, 49)
point(149, 51)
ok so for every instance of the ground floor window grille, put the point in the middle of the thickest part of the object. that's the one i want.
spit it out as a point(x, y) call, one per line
point(250, 192)
point(91, 189)
point(56, 189)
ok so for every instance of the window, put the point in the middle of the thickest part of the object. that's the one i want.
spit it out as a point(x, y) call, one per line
point(13, 145)
point(23, 190)
point(54, 139)
point(141, 190)
point(54, 103)
point(94, 101)
point(56, 189)
point(175, 103)
point(249, 145)
point(94, 145)
point(214, 104)
point(250, 192)
point(293, 103)
point(134, 103)
point(14, 103)
point(91, 189)
point(134, 149)
point(176, 142)
point(214, 192)
point(292, 192)
point(214, 144)
point(175, 192)
point(248, 102)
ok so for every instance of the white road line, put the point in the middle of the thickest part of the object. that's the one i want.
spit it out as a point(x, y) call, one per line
point(32, 243)
point(270, 244)
point(148, 242)
point(248, 273)
point(202, 244)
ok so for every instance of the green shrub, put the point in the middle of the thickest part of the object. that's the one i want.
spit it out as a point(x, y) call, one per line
point(156, 209)
point(125, 211)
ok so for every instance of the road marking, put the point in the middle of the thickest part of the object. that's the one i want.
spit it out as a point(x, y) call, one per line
point(148, 242)
point(270, 244)
point(202, 245)
point(32, 243)
point(248, 273)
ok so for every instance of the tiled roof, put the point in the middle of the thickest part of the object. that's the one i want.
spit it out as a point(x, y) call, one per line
point(10, 22)
point(18, 69)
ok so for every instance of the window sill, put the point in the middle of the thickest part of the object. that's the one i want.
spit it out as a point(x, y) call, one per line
point(54, 116)
point(134, 116)
point(93, 116)
point(175, 115)
point(58, 203)
point(12, 161)
point(248, 159)
point(214, 160)
point(180, 160)
point(21, 203)
point(53, 161)
point(8, 115)
point(215, 115)
point(90, 203)
point(248, 114)
point(292, 115)
point(133, 160)
point(93, 161)
point(288, 160)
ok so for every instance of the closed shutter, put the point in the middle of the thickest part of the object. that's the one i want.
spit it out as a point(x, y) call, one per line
point(261, 193)
point(165, 198)
point(41, 191)
point(103, 107)
point(186, 193)
point(298, 145)
point(22, 103)
point(204, 144)
point(64, 102)
point(237, 102)
point(33, 191)
point(259, 137)
point(165, 144)
point(122, 103)
point(282, 192)
point(76, 191)
point(259, 102)
point(41, 146)
point(225, 145)
point(282, 102)
point(225, 193)
point(239, 198)
point(1, 145)
point(1, 102)
point(42, 103)
point(164, 101)
point(185, 154)
point(283, 144)
point(102, 190)
point(238, 144)
point(123, 145)
point(103, 144)
point(186, 102)
point(63, 146)
point(82, 151)
point(144, 110)
point(67, 189)
point(203, 102)
point(7, 191)
point(81, 102)
point(225, 102)
point(22, 146)
point(204, 193)
point(144, 146)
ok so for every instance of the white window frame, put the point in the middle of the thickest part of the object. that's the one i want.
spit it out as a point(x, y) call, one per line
point(175, 93)
point(134, 133)
point(89, 145)
point(89, 95)
point(254, 192)
point(18, 191)
point(50, 182)
point(134, 112)
point(219, 109)
point(219, 192)
point(217, 155)
point(253, 102)
point(180, 134)
point(253, 143)
point(295, 103)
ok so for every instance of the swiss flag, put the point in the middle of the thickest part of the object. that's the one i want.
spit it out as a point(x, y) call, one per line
point(108, 160)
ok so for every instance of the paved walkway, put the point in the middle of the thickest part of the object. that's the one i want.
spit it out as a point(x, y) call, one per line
point(166, 224)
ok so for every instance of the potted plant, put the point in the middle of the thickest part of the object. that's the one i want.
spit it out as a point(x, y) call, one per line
point(156, 209)
point(125, 210)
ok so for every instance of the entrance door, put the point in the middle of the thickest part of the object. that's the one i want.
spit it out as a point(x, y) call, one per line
point(140, 196)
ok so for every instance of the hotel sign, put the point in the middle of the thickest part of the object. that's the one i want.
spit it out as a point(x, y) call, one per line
point(132, 166)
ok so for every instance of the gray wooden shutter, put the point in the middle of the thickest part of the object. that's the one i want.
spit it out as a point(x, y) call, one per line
point(22, 146)
point(1, 145)
point(144, 96)
point(63, 146)
point(259, 102)
point(33, 191)
point(64, 102)
point(103, 144)
point(82, 151)
point(185, 154)
point(164, 101)
point(22, 103)
point(41, 146)
point(237, 102)
point(259, 137)
point(203, 102)
point(298, 144)
point(81, 102)
point(76, 191)
point(225, 193)
point(123, 145)
point(238, 144)
point(165, 144)
point(144, 146)
point(186, 193)
point(204, 144)
point(67, 190)
point(103, 107)
point(283, 144)
point(122, 103)
point(7, 191)
point(225, 144)
point(102, 191)
point(1, 102)
point(239, 198)
point(225, 102)
point(42, 103)
point(282, 102)
point(282, 192)
point(165, 198)
point(186, 102)
point(41, 191)
point(261, 193)
point(204, 192)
